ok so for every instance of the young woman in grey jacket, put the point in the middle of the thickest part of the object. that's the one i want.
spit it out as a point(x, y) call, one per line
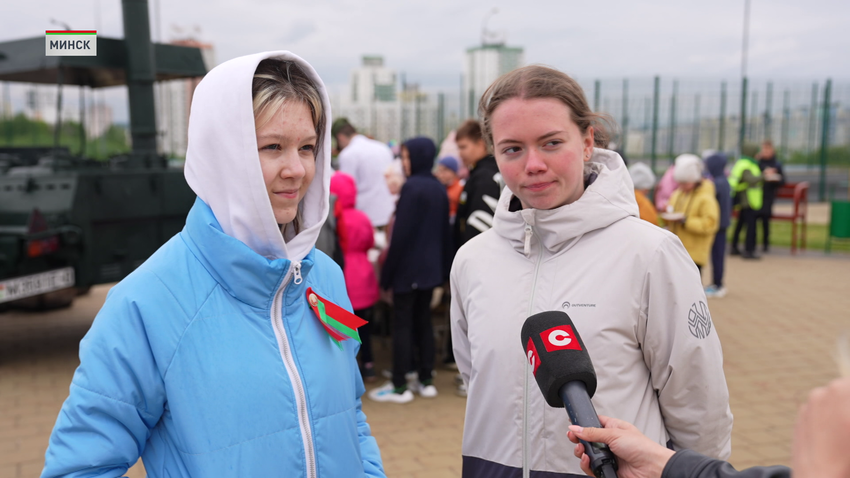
point(567, 236)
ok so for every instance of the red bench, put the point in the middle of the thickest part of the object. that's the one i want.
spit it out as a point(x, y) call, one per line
point(799, 193)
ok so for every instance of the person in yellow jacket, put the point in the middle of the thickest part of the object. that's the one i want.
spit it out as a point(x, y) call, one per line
point(695, 215)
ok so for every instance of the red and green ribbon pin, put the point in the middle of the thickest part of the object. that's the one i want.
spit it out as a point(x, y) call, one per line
point(339, 323)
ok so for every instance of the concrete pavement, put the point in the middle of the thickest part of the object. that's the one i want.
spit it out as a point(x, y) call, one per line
point(778, 326)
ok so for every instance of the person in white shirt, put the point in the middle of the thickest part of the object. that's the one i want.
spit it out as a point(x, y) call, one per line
point(366, 160)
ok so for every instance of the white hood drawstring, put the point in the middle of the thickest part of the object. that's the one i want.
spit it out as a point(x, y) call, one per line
point(223, 164)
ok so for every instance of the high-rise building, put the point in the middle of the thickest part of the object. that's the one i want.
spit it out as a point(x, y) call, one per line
point(482, 65)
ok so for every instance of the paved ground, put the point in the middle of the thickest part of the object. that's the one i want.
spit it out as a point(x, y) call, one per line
point(778, 326)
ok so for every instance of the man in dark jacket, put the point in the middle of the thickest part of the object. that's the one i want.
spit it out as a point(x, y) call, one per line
point(479, 198)
point(773, 180)
point(716, 165)
point(418, 260)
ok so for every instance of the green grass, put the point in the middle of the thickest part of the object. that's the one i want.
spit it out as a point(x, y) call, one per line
point(780, 236)
point(21, 131)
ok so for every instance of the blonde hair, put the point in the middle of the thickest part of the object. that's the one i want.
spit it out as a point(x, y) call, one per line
point(277, 82)
point(536, 81)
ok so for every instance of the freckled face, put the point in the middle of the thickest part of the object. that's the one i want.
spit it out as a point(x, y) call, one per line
point(540, 151)
point(287, 149)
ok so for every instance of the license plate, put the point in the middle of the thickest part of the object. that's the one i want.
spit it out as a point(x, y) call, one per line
point(27, 286)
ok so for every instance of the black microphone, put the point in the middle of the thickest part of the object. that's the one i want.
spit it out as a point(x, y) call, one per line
point(563, 370)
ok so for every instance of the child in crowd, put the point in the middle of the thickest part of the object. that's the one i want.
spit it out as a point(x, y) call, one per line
point(716, 165)
point(446, 173)
point(356, 237)
point(417, 261)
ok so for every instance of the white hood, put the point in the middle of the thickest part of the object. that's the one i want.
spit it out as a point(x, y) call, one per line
point(223, 164)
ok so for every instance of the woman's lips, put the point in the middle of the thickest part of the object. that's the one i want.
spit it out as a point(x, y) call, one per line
point(537, 187)
point(287, 194)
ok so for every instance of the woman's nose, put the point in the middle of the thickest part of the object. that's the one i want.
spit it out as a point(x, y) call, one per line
point(534, 162)
point(292, 166)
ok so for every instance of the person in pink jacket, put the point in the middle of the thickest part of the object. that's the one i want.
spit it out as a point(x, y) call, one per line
point(356, 237)
point(665, 189)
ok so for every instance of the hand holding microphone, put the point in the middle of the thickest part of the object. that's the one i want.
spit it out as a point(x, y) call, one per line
point(638, 455)
point(563, 370)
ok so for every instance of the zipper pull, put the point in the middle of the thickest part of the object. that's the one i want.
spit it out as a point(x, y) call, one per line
point(528, 232)
point(297, 273)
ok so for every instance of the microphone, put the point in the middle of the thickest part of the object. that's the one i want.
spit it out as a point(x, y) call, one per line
point(563, 370)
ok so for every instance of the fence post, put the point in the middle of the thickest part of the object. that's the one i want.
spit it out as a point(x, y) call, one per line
point(8, 114)
point(441, 113)
point(697, 124)
point(721, 139)
point(743, 116)
point(786, 118)
point(596, 92)
point(655, 100)
point(624, 126)
point(824, 137)
point(813, 126)
point(768, 118)
point(753, 126)
point(417, 123)
point(671, 141)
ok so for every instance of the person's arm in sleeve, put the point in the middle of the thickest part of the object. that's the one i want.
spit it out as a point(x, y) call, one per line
point(483, 198)
point(707, 219)
point(404, 229)
point(370, 454)
point(459, 326)
point(690, 464)
point(750, 178)
point(116, 397)
point(682, 350)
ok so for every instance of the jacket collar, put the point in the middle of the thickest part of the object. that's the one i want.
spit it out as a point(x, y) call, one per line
point(243, 273)
point(608, 199)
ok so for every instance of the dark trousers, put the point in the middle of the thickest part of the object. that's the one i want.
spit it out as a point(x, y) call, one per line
point(412, 324)
point(718, 257)
point(746, 217)
point(365, 332)
point(764, 216)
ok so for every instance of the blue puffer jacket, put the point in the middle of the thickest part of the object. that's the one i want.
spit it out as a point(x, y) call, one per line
point(184, 366)
point(207, 361)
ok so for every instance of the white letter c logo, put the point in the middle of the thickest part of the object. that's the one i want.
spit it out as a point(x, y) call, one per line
point(559, 338)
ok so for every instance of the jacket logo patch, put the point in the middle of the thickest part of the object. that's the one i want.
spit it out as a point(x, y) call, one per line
point(567, 305)
point(699, 320)
point(561, 337)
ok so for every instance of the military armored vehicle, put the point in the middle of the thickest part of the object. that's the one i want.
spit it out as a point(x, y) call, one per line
point(68, 223)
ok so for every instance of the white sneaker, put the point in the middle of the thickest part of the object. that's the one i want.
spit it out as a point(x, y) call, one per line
point(715, 292)
point(461, 390)
point(426, 391)
point(387, 393)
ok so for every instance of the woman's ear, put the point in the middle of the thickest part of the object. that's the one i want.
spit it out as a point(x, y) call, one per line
point(588, 144)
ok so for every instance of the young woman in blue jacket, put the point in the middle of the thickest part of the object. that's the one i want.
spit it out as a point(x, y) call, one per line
point(209, 360)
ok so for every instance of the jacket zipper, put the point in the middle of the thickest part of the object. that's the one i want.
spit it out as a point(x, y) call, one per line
point(526, 469)
point(292, 370)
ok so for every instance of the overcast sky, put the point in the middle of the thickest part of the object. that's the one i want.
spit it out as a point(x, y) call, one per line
point(789, 39)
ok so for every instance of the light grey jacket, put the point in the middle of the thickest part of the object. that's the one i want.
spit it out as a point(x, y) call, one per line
point(635, 297)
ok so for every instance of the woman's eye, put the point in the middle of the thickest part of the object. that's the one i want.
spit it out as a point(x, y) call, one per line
point(554, 142)
point(511, 150)
point(308, 147)
point(271, 147)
